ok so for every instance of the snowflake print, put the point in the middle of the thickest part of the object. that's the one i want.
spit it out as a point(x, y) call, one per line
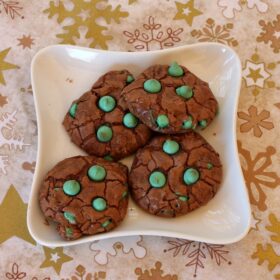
point(15, 274)
point(256, 175)
point(82, 274)
point(11, 8)
point(213, 32)
point(104, 249)
point(84, 15)
point(267, 252)
point(8, 138)
point(255, 121)
point(231, 7)
point(154, 273)
point(153, 37)
point(270, 33)
point(197, 252)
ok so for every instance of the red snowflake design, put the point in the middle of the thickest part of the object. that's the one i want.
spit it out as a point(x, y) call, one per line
point(153, 37)
point(197, 252)
point(15, 274)
point(11, 8)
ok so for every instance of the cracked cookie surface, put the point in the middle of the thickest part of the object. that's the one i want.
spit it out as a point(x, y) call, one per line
point(175, 174)
point(171, 99)
point(100, 123)
point(85, 196)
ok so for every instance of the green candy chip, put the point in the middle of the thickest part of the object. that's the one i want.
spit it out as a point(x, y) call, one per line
point(162, 121)
point(157, 179)
point(209, 165)
point(175, 70)
point(107, 103)
point(184, 91)
point(129, 79)
point(184, 198)
point(69, 217)
point(129, 120)
point(170, 147)
point(104, 133)
point(106, 223)
point(69, 232)
point(124, 194)
point(73, 109)
point(108, 158)
point(202, 123)
point(187, 124)
point(99, 204)
point(152, 86)
point(191, 176)
point(71, 187)
point(97, 173)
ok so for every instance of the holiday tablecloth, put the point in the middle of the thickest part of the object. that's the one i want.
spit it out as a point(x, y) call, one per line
point(251, 27)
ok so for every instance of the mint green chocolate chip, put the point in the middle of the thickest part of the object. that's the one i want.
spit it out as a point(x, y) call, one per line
point(69, 232)
point(191, 176)
point(106, 223)
point(202, 123)
point(157, 179)
point(170, 147)
point(73, 109)
point(69, 217)
point(107, 103)
point(109, 158)
point(124, 194)
point(209, 165)
point(97, 173)
point(129, 120)
point(162, 121)
point(152, 86)
point(129, 79)
point(175, 70)
point(184, 91)
point(187, 124)
point(56, 189)
point(184, 198)
point(104, 133)
point(99, 204)
point(71, 187)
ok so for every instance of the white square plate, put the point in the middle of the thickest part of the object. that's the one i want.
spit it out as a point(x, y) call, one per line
point(62, 73)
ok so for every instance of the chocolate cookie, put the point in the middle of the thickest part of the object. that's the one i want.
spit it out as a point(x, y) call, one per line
point(174, 175)
point(85, 196)
point(100, 123)
point(171, 99)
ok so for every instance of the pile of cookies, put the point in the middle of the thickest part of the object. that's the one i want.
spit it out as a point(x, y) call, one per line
point(172, 174)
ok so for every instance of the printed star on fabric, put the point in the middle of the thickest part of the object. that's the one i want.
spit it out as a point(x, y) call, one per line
point(255, 74)
point(187, 11)
point(5, 65)
point(25, 42)
point(255, 222)
point(55, 258)
point(13, 217)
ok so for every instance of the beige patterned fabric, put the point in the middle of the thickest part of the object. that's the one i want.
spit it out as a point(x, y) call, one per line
point(250, 27)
